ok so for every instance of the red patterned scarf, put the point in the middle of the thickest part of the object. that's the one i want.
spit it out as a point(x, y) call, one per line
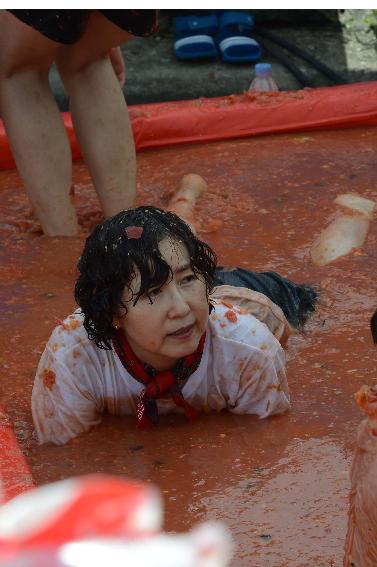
point(157, 383)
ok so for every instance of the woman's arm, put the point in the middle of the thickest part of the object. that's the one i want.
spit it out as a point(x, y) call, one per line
point(64, 399)
point(263, 387)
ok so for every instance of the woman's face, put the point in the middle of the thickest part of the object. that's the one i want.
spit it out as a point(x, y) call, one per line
point(163, 332)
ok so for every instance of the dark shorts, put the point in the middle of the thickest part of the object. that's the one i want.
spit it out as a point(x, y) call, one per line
point(68, 26)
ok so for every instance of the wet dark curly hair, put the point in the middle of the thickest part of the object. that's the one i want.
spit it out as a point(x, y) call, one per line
point(110, 259)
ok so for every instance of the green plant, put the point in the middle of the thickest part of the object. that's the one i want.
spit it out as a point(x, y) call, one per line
point(371, 19)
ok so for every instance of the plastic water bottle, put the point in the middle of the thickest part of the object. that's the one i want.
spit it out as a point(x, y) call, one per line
point(263, 80)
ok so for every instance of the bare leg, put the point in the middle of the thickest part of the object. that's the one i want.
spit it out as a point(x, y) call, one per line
point(34, 127)
point(183, 202)
point(99, 112)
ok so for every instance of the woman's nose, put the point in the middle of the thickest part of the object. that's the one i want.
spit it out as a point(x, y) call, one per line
point(178, 304)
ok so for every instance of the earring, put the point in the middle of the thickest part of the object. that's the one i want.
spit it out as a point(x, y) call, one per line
point(116, 326)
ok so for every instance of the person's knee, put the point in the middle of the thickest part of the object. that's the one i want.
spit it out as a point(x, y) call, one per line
point(73, 70)
point(25, 72)
point(91, 53)
point(23, 50)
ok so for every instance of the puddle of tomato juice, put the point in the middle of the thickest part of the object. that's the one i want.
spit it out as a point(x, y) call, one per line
point(280, 484)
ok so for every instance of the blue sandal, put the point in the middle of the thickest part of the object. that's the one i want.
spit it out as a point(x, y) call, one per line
point(234, 41)
point(194, 37)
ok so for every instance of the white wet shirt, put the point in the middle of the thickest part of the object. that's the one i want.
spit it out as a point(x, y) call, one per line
point(242, 369)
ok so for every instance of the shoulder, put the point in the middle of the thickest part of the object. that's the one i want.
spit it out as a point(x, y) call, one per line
point(231, 324)
point(258, 305)
point(70, 328)
point(70, 360)
point(70, 335)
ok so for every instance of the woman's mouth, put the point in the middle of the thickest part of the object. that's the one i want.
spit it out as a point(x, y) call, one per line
point(182, 333)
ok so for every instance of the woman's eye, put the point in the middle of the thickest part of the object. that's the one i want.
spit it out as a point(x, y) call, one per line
point(188, 279)
point(155, 292)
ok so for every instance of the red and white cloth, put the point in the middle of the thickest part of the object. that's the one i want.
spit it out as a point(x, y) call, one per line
point(101, 520)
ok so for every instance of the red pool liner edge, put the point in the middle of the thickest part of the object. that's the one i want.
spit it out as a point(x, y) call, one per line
point(15, 475)
point(236, 116)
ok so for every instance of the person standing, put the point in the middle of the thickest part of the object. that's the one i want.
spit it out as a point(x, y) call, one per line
point(83, 44)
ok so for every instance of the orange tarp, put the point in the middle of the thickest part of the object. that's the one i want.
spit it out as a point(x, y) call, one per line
point(236, 116)
point(15, 475)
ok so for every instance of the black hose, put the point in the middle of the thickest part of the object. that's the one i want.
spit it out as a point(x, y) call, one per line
point(337, 78)
point(300, 77)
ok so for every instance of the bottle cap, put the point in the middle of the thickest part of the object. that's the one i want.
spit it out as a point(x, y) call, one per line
point(262, 69)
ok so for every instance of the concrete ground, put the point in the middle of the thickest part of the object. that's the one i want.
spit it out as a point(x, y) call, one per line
point(342, 39)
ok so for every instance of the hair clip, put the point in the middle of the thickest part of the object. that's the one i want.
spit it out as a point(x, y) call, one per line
point(134, 232)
